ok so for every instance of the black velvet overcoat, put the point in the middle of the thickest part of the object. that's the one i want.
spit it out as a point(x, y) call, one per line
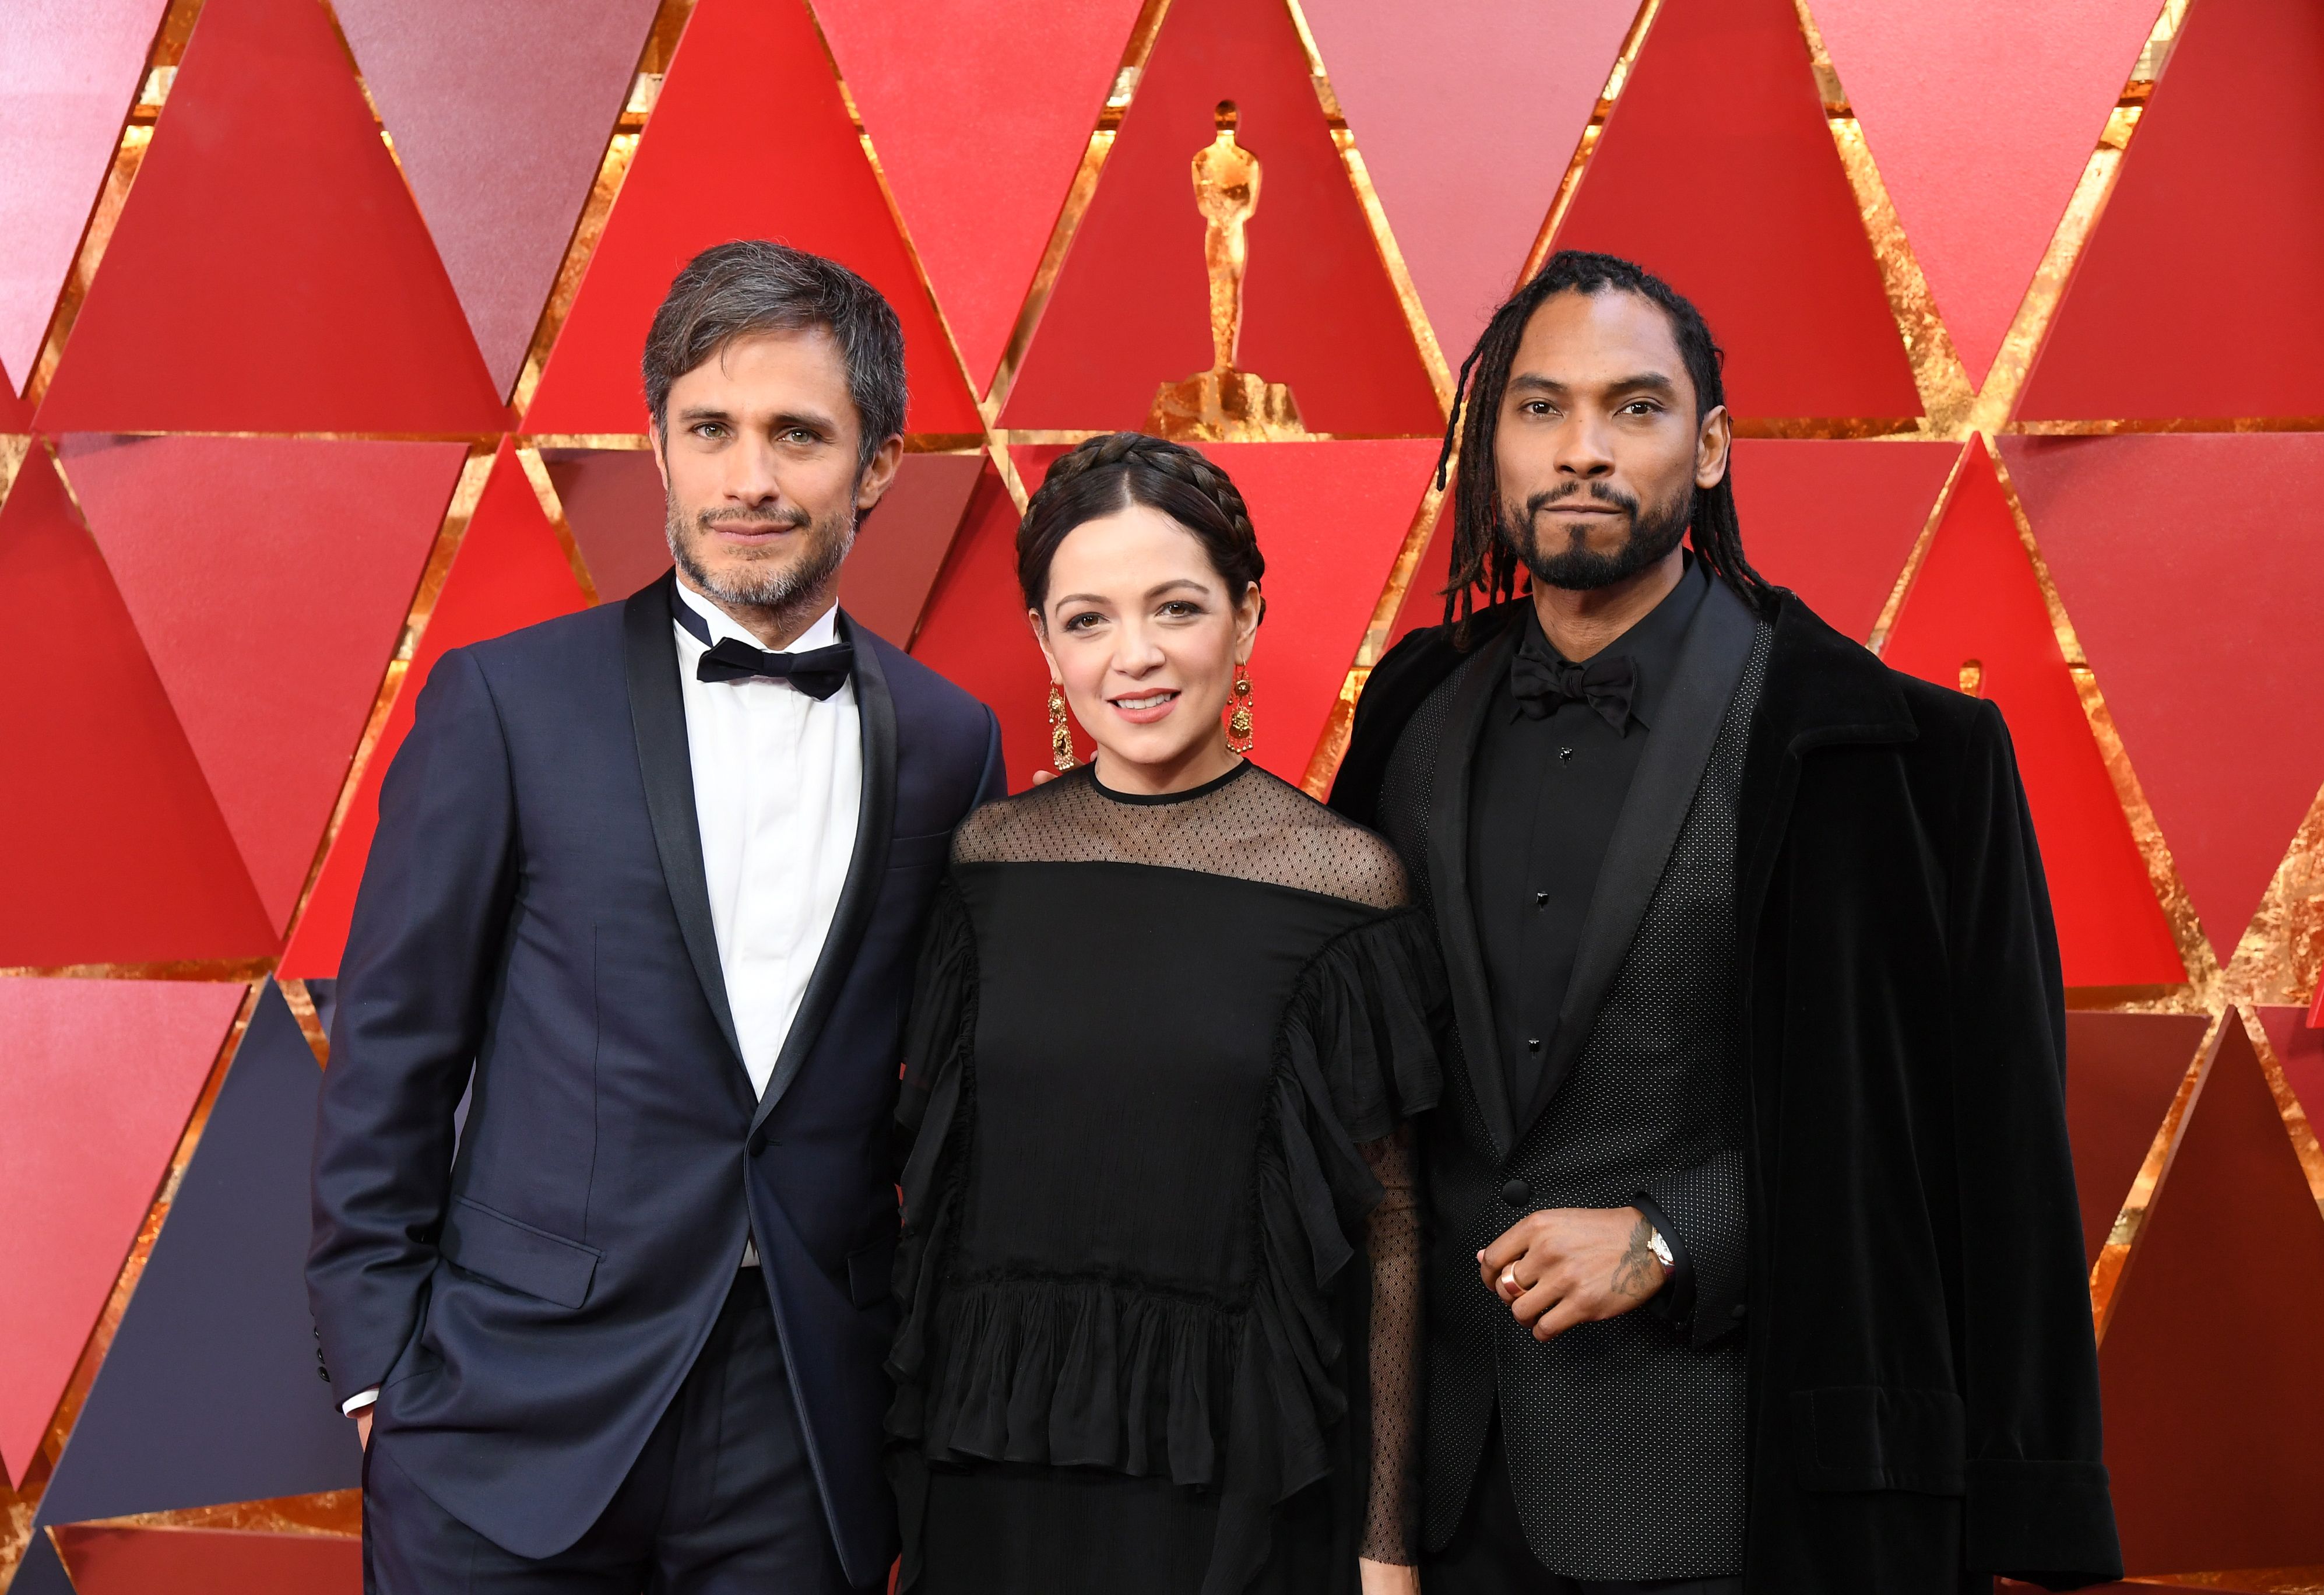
point(1923, 1391)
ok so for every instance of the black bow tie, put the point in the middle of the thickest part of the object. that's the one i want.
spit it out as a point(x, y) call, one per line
point(1541, 683)
point(819, 673)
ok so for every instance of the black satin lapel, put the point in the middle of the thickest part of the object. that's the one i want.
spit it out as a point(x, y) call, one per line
point(658, 716)
point(1448, 875)
point(1718, 646)
point(875, 709)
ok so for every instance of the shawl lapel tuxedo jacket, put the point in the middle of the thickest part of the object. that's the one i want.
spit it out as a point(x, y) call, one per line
point(1639, 1098)
point(535, 907)
point(1908, 1290)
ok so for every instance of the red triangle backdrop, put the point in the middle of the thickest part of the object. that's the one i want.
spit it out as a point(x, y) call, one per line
point(269, 578)
point(100, 1077)
point(1765, 236)
point(69, 71)
point(1131, 307)
point(749, 139)
point(2209, 1366)
point(2122, 1070)
point(1330, 517)
point(1424, 596)
point(2298, 1048)
point(902, 544)
point(510, 571)
point(1467, 113)
point(1976, 598)
point(270, 272)
point(980, 115)
point(2219, 184)
point(2188, 562)
point(616, 508)
point(112, 849)
point(536, 83)
point(1835, 519)
point(1981, 115)
point(971, 628)
point(211, 1561)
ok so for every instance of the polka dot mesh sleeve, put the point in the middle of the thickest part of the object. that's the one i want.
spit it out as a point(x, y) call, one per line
point(1392, 1520)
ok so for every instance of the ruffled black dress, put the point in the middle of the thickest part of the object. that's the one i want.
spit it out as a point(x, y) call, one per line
point(1158, 1059)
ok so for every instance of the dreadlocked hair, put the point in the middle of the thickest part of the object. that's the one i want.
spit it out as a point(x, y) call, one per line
point(1116, 470)
point(1482, 560)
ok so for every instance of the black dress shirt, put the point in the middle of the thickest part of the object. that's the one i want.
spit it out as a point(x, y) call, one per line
point(1546, 796)
point(1543, 803)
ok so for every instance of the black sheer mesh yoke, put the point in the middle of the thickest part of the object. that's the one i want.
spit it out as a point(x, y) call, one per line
point(1160, 1058)
point(1246, 824)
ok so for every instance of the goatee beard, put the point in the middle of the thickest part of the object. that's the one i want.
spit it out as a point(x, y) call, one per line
point(774, 585)
point(1653, 533)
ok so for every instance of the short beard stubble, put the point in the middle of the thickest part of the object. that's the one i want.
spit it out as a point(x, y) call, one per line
point(770, 582)
point(1653, 533)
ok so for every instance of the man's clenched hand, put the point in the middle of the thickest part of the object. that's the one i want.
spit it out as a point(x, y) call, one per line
point(1573, 1264)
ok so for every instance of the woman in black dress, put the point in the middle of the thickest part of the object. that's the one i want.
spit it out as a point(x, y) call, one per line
point(1160, 1269)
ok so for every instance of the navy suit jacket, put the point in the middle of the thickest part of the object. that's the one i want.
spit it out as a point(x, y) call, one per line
point(535, 911)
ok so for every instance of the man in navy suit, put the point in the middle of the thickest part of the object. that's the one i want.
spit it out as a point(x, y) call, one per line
point(647, 884)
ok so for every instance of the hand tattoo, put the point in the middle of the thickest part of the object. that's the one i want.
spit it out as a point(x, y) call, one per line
point(1638, 1273)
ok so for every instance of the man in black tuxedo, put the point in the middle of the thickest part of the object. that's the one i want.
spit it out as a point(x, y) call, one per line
point(1755, 1263)
point(647, 882)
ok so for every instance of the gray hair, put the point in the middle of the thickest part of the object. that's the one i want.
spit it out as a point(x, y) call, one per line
point(733, 291)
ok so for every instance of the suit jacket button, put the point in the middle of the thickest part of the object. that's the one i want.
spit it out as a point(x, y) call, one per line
point(1739, 1310)
point(1516, 1193)
point(757, 1143)
point(323, 1374)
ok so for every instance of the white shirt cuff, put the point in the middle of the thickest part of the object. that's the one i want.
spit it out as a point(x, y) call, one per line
point(357, 1402)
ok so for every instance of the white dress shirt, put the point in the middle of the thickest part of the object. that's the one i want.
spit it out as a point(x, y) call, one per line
point(778, 787)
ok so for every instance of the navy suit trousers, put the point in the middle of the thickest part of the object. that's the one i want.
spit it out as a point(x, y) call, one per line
point(722, 1498)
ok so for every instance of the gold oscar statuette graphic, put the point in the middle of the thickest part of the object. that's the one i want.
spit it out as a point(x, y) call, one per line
point(1222, 404)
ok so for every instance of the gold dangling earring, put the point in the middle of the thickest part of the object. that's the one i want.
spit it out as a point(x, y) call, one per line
point(1238, 732)
point(1061, 736)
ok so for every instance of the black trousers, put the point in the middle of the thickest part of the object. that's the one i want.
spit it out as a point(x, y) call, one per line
point(1488, 1553)
point(721, 1499)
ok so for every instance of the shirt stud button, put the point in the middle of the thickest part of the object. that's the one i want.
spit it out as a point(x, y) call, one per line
point(1564, 755)
point(1541, 899)
point(1533, 1044)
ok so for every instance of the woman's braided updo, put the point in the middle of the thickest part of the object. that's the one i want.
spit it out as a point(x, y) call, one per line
point(1112, 471)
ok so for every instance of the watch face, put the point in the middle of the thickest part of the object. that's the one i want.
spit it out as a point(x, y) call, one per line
point(1661, 1249)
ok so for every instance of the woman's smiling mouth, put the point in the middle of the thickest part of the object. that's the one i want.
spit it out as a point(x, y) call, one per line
point(1146, 708)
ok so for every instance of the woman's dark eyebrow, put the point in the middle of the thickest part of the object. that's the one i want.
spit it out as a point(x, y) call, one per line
point(1154, 592)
